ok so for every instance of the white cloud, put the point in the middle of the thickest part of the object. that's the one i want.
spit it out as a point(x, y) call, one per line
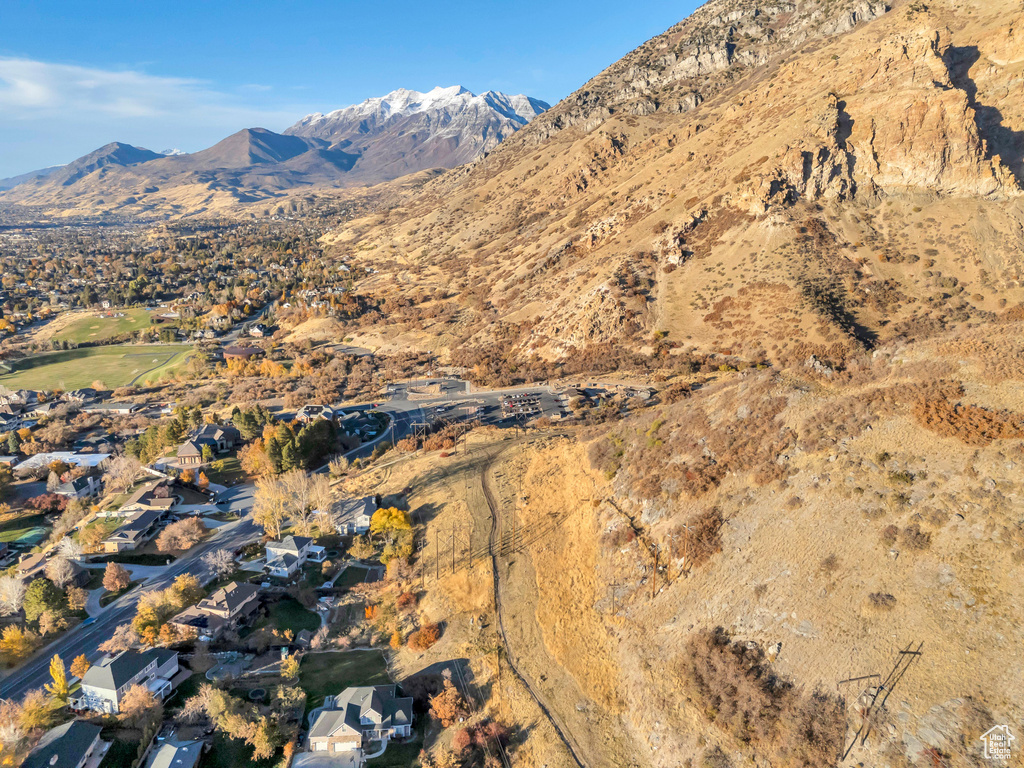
point(32, 89)
point(51, 113)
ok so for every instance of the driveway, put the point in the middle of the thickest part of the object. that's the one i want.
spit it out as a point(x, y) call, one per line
point(322, 760)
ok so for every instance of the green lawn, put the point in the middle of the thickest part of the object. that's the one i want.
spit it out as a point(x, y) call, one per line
point(232, 471)
point(353, 575)
point(95, 327)
point(402, 755)
point(289, 614)
point(114, 366)
point(23, 525)
point(135, 558)
point(328, 674)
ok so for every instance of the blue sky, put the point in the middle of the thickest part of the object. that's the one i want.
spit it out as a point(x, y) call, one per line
point(75, 74)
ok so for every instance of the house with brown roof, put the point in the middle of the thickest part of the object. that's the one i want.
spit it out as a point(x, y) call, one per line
point(224, 610)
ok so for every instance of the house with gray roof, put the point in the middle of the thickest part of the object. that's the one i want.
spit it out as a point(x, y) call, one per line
point(80, 487)
point(352, 516)
point(66, 746)
point(224, 609)
point(351, 721)
point(106, 683)
point(176, 754)
point(286, 557)
point(136, 531)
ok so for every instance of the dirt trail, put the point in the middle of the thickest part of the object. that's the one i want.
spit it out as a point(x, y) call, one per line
point(495, 549)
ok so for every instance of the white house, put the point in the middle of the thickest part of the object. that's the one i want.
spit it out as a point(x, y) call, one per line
point(285, 558)
point(106, 683)
point(353, 516)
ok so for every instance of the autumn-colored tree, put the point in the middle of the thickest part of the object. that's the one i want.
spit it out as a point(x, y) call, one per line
point(80, 666)
point(60, 571)
point(36, 710)
point(77, 598)
point(182, 535)
point(448, 706)
point(290, 668)
point(188, 476)
point(116, 577)
point(254, 460)
point(17, 644)
point(361, 548)
point(387, 522)
point(139, 707)
point(51, 622)
point(58, 687)
point(204, 481)
point(270, 501)
point(396, 639)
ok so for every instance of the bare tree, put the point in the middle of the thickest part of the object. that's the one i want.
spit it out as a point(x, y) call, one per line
point(122, 472)
point(60, 571)
point(299, 488)
point(220, 561)
point(12, 595)
point(322, 502)
point(69, 549)
point(270, 505)
point(124, 638)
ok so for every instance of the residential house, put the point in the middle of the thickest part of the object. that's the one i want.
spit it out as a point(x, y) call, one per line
point(66, 746)
point(176, 754)
point(33, 566)
point(136, 531)
point(9, 461)
point(258, 331)
point(106, 683)
point(75, 459)
point(354, 515)
point(352, 720)
point(309, 413)
point(43, 409)
point(11, 419)
point(219, 439)
point(115, 409)
point(80, 396)
point(155, 495)
point(285, 558)
point(80, 487)
point(224, 610)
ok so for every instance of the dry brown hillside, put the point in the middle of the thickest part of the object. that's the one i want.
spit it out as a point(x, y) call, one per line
point(766, 179)
point(824, 523)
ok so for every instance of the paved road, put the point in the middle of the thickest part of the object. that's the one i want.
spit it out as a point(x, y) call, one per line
point(86, 638)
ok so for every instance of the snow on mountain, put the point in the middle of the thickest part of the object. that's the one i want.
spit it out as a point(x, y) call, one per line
point(404, 102)
point(408, 131)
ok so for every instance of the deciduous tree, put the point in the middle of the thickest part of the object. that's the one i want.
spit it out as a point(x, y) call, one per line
point(12, 595)
point(116, 577)
point(80, 666)
point(182, 535)
point(58, 687)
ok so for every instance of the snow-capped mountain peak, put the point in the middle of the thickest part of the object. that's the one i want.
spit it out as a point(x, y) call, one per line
point(404, 102)
point(407, 131)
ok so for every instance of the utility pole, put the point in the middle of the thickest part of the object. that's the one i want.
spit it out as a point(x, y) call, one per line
point(654, 575)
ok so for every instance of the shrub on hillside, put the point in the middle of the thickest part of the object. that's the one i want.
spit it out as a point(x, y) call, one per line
point(736, 689)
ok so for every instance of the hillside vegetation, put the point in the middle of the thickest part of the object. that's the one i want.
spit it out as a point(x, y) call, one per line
point(768, 181)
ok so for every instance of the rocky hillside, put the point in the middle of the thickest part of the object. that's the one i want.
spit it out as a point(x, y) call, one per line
point(767, 181)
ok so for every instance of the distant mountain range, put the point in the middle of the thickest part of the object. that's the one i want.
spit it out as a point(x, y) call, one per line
point(378, 140)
